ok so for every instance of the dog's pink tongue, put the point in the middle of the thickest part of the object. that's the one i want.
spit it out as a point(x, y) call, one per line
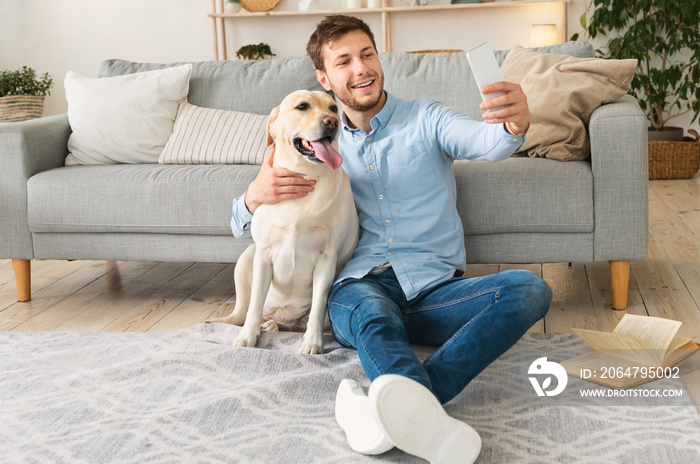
point(326, 153)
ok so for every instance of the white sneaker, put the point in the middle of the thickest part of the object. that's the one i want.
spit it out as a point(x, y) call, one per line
point(415, 422)
point(354, 414)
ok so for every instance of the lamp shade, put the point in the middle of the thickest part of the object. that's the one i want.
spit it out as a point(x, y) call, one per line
point(542, 35)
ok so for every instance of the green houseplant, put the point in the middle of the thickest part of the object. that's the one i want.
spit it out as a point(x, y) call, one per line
point(664, 36)
point(22, 94)
point(260, 51)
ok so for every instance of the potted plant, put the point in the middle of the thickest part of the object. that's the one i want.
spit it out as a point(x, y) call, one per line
point(22, 94)
point(665, 39)
point(260, 51)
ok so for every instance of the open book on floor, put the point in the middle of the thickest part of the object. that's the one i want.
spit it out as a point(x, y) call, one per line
point(639, 350)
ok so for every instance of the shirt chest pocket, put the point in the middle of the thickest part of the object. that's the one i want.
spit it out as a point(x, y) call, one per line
point(412, 173)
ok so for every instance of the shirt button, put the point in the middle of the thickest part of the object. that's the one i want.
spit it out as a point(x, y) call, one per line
point(515, 140)
point(391, 240)
point(387, 222)
point(389, 254)
point(381, 197)
point(248, 218)
point(369, 139)
point(384, 125)
point(371, 168)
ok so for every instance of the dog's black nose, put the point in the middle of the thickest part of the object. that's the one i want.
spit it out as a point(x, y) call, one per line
point(330, 122)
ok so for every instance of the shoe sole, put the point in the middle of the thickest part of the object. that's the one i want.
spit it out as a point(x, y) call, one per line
point(354, 415)
point(415, 421)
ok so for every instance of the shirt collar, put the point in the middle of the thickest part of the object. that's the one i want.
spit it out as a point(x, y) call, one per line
point(387, 112)
point(382, 118)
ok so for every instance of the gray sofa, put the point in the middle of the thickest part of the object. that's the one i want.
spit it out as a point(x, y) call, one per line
point(522, 210)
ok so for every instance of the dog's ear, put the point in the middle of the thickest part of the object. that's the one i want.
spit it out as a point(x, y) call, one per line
point(273, 116)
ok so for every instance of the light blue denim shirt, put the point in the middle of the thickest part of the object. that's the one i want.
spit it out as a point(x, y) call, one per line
point(405, 190)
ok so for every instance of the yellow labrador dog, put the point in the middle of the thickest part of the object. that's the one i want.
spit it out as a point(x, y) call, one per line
point(284, 278)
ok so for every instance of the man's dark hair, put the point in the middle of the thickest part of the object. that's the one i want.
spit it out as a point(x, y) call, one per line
point(332, 28)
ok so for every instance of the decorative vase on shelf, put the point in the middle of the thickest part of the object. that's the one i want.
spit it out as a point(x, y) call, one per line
point(232, 6)
point(374, 3)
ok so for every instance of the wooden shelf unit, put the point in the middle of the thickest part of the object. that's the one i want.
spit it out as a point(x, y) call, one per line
point(385, 10)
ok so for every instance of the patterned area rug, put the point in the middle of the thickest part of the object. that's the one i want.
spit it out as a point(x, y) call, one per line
point(189, 396)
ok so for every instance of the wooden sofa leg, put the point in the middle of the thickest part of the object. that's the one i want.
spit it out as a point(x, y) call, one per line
point(619, 279)
point(23, 278)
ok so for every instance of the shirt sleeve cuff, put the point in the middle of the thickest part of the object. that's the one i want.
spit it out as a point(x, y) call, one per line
point(515, 141)
point(241, 217)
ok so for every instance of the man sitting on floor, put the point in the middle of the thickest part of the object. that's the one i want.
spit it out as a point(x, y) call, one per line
point(404, 282)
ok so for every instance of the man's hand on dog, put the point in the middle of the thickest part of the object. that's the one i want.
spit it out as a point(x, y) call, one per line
point(273, 185)
point(517, 113)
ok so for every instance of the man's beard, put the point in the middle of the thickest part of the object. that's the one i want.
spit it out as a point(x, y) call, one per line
point(349, 102)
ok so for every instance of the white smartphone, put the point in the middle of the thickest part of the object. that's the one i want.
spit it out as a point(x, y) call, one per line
point(485, 69)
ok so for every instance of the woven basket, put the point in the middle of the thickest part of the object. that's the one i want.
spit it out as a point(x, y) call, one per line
point(673, 160)
point(15, 108)
point(259, 5)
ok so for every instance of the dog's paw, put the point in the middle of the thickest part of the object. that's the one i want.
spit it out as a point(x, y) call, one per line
point(270, 326)
point(245, 340)
point(310, 348)
point(232, 319)
point(311, 343)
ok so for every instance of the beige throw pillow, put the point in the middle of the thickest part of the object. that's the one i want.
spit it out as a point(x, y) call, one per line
point(211, 136)
point(562, 92)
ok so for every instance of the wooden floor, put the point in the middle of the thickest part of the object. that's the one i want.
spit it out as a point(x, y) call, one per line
point(143, 296)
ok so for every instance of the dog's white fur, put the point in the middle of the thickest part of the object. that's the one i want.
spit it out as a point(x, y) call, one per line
point(285, 277)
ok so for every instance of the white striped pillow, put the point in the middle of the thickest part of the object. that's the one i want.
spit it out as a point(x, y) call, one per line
point(211, 136)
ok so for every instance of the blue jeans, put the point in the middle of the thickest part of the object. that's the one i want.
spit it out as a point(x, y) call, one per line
point(471, 321)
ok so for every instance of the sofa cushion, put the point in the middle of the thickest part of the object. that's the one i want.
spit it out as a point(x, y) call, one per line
point(259, 86)
point(211, 136)
point(240, 85)
point(524, 195)
point(147, 198)
point(562, 93)
point(197, 199)
point(447, 77)
point(123, 119)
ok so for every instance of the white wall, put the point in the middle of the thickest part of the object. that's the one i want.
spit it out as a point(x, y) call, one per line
point(55, 36)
